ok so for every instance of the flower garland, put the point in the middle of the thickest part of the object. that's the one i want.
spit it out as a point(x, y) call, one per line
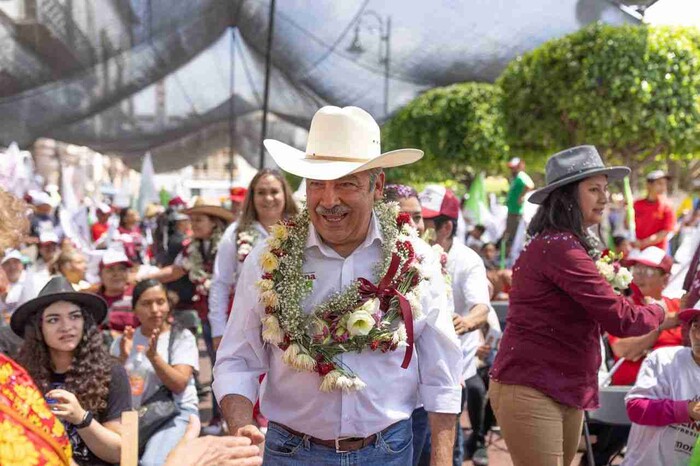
point(610, 269)
point(200, 271)
point(366, 315)
point(246, 240)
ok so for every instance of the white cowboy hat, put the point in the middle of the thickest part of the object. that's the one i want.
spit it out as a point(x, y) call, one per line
point(341, 141)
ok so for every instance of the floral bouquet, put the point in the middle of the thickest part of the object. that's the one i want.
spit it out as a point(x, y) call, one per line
point(618, 276)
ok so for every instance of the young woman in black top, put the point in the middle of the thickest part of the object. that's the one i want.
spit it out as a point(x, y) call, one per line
point(64, 353)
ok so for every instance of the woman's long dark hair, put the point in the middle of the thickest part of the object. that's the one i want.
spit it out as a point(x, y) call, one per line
point(89, 374)
point(561, 211)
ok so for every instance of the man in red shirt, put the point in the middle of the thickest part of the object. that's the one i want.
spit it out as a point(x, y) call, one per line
point(651, 270)
point(101, 227)
point(653, 215)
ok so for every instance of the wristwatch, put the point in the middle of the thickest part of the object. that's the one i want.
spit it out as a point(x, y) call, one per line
point(87, 419)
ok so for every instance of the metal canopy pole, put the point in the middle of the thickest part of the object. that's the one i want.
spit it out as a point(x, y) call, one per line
point(231, 107)
point(268, 66)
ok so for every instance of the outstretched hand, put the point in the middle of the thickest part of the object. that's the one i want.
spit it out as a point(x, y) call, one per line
point(253, 433)
point(202, 451)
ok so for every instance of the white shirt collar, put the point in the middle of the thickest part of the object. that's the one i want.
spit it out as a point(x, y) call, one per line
point(374, 233)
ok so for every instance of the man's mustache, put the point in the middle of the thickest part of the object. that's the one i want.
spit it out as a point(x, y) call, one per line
point(335, 210)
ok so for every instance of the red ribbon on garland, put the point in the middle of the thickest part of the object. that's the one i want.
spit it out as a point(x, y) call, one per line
point(384, 292)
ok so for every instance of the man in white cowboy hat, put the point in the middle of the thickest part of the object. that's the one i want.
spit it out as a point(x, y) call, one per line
point(313, 312)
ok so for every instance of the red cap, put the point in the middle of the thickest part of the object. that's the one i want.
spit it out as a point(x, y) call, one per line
point(651, 257)
point(237, 194)
point(176, 201)
point(437, 200)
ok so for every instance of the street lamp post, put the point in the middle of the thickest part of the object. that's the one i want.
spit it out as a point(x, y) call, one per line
point(384, 40)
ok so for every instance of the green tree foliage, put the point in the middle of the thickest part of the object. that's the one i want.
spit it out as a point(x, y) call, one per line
point(633, 91)
point(459, 127)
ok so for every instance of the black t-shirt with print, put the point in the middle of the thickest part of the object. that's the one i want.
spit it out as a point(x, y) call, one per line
point(119, 400)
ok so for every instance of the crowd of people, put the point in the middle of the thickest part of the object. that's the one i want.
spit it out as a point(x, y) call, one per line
point(359, 325)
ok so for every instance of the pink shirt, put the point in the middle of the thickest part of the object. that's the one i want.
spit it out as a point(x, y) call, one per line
point(559, 305)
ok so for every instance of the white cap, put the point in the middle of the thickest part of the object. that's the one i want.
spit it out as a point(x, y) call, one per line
point(48, 237)
point(104, 208)
point(41, 198)
point(113, 256)
point(11, 254)
point(514, 162)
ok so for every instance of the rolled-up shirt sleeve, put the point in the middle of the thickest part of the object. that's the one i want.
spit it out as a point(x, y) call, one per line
point(437, 347)
point(225, 266)
point(242, 356)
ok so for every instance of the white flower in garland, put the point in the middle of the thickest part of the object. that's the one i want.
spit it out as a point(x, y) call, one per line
point(360, 322)
point(399, 336)
point(329, 381)
point(272, 333)
point(269, 298)
point(413, 299)
point(268, 262)
point(279, 232)
point(265, 284)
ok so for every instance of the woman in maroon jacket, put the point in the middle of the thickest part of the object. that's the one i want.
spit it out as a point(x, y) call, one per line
point(545, 373)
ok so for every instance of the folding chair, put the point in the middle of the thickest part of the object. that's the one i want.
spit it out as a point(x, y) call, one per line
point(612, 408)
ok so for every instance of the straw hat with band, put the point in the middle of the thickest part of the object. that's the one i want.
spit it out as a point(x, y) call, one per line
point(574, 164)
point(57, 289)
point(341, 141)
point(212, 210)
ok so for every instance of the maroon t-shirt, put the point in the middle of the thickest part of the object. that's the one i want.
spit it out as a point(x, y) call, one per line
point(559, 305)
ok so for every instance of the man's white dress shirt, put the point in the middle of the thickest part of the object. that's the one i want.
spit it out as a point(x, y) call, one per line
point(293, 398)
point(226, 270)
point(470, 286)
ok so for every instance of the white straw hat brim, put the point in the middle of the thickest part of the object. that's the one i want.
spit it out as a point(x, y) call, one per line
point(296, 162)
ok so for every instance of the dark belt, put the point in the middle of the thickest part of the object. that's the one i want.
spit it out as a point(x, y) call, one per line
point(341, 445)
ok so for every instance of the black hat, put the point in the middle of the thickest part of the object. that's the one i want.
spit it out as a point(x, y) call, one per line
point(572, 165)
point(57, 289)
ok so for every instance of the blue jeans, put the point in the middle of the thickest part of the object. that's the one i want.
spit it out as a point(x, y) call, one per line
point(163, 441)
point(393, 447)
point(421, 437)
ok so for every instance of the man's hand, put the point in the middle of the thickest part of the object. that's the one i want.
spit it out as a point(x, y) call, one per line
point(484, 351)
point(461, 325)
point(202, 451)
point(251, 432)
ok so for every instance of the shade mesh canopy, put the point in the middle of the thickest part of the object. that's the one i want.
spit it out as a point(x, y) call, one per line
point(178, 77)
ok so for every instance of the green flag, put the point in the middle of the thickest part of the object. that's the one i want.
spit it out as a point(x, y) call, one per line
point(477, 198)
point(164, 197)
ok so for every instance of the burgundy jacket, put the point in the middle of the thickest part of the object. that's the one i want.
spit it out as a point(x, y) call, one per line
point(559, 307)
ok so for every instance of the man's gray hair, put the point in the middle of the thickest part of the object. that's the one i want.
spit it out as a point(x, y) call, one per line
point(373, 174)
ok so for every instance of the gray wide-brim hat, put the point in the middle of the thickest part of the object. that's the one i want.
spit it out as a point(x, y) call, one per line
point(57, 289)
point(572, 165)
